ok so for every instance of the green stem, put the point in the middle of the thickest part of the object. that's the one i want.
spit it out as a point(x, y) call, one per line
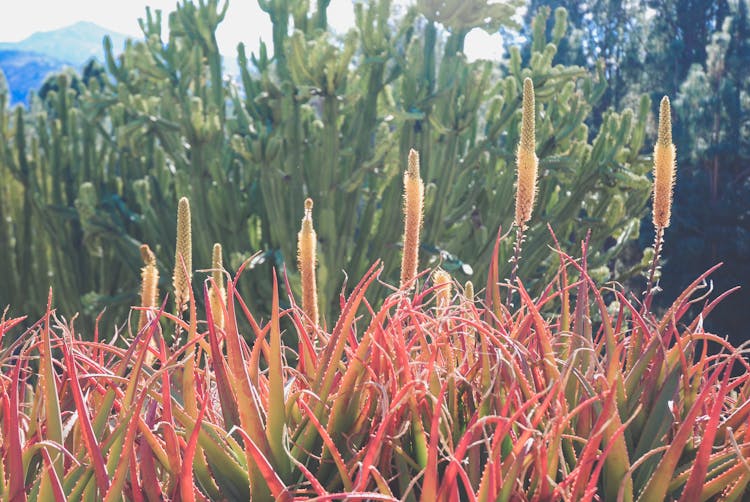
point(650, 289)
point(520, 235)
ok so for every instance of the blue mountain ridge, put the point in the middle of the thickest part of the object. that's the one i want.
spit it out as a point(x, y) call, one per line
point(27, 63)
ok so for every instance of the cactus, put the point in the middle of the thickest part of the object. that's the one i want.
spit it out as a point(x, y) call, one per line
point(327, 117)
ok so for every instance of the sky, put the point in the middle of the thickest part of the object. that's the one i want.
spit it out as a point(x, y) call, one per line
point(245, 21)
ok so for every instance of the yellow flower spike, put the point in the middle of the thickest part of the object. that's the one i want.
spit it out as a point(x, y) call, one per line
point(526, 160)
point(442, 281)
point(183, 267)
point(217, 293)
point(664, 167)
point(306, 259)
point(149, 283)
point(469, 291)
point(413, 205)
point(664, 178)
point(526, 164)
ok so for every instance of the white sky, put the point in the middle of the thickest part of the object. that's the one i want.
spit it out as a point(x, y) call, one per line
point(245, 21)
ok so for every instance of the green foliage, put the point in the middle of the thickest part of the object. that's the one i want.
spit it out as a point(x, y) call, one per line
point(327, 117)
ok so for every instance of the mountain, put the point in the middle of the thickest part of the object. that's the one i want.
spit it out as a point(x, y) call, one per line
point(27, 63)
point(25, 71)
point(74, 44)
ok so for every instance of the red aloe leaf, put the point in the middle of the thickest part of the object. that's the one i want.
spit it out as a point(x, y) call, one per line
point(542, 333)
point(136, 492)
point(337, 458)
point(700, 466)
point(278, 490)
point(735, 474)
point(430, 482)
point(354, 496)
point(16, 475)
point(170, 436)
point(227, 398)
point(492, 291)
point(187, 488)
point(656, 488)
point(335, 348)
point(49, 388)
point(149, 479)
point(590, 450)
point(276, 421)
point(376, 443)
point(56, 485)
point(249, 407)
point(310, 477)
point(89, 439)
point(8, 324)
point(121, 472)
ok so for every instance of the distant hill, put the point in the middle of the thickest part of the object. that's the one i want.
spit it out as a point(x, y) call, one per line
point(25, 71)
point(27, 63)
point(74, 44)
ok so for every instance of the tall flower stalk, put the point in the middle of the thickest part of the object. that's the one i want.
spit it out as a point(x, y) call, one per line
point(413, 206)
point(306, 259)
point(217, 293)
point(183, 262)
point(526, 166)
point(664, 179)
point(149, 284)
